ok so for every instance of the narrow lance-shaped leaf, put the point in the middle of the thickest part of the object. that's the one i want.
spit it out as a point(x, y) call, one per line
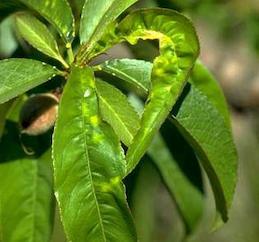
point(20, 75)
point(179, 49)
point(58, 13)
point(38, 35)
point(178, 184)
point(97, 15)
point(88, 167)
point(117, 111)
point(144, 202)
point(211, 109)
point(203, 80)
point(26, 195)
point(206, 129)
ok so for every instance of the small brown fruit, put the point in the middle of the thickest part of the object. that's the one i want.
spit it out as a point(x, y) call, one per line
point(38, 114)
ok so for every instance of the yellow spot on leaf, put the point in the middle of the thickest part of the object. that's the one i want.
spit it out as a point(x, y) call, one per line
point(95, 120)
point(107, 187)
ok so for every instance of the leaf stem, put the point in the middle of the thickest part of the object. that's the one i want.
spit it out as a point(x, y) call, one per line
point(70, 53)
point(64, 63)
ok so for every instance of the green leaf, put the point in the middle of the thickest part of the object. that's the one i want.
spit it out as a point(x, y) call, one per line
point(8, 40)
point(211, 100)
point(210, 136)
point(117, 111)
point(97, 15)
point(58, 13)
point(88, 167)
point(203, 80)
point(26, 195)
point(212, 114)
point(20, 75)
point(143, 204)
point(38, 35)
point(168, 161)
point(135, 72)
point(179, 48)
point(179, 186)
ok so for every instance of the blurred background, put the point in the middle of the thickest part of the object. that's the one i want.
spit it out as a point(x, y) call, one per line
point(229, 36)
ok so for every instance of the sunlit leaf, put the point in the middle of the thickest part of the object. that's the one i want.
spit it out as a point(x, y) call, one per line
point(20, 75)
point(136, 72)
point(38, 35)
point(26, 195)
point(117, 111)
point(208, 130)
point(97, 15)
point(172, 163)
point(88, 167)
point(58, 13)
point(179, 49)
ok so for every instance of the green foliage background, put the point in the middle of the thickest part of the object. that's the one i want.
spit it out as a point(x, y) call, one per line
point(232, 27)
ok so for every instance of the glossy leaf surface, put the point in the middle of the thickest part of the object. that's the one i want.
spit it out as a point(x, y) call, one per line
point(172, 163)
point(58, 13)
point(38, 35)
point(179, 49)
point(136, 72)
point(88, 167)
point(117, 111)
point(207, 118)
point(20, 75)
point(97, 15)
point(26, 195)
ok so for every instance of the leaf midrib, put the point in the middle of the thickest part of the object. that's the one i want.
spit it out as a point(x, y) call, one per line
point(99, 23)
point(116, 115)
point(86, 154)
point(116, 70)
point(39, 39)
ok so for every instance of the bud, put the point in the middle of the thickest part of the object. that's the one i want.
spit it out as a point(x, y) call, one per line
point(38, 114)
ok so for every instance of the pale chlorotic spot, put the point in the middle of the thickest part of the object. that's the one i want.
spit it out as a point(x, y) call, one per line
point(94, 120)
point(87, 93)
point(107, 187)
